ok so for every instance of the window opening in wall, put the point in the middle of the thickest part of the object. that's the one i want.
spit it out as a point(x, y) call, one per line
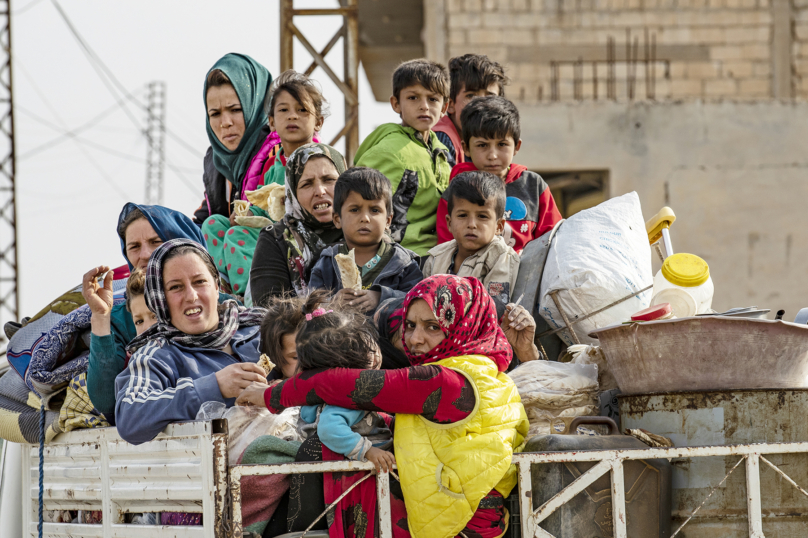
point(575, 191)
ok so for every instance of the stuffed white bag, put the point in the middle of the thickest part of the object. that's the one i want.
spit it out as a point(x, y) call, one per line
point(598, 256)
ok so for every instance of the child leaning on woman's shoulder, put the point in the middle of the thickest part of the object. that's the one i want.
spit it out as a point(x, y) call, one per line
point(363, 210)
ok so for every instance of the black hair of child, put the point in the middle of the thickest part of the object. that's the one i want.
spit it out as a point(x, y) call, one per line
point(490, 117)
point(477, 187)
point(302, 89)
point(475, 72)
point(367, 182)
point(431, 75)
point(284, 316)
point(342, 338)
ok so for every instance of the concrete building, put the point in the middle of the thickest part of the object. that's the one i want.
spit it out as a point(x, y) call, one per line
point(697, 104)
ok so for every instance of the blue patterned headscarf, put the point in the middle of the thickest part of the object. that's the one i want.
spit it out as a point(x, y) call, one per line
point(167, 223)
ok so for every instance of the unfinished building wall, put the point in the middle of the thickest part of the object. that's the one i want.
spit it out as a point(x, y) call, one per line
point(734, 173)
point(632, 49)
point(800, 48)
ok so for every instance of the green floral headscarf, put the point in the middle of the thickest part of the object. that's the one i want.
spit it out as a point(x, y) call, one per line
point(251, 80)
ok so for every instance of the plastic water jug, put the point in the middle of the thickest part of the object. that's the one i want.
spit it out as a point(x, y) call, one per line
point(684, 282)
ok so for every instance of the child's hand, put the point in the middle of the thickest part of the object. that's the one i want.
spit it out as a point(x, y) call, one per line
point(382, 459)
point(345, 294)
point(364, 300)
point(233, 219)
point(520, 329)
point(253, 395)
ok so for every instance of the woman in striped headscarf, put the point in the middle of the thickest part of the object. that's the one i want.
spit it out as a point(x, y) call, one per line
point(198, 351)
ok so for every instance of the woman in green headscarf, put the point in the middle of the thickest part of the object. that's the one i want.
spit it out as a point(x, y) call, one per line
point(287, 251)
point(240, 143)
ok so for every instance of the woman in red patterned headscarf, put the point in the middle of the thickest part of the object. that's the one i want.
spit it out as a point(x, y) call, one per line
point(445, 316)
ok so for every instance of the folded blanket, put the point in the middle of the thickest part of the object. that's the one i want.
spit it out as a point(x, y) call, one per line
point(260, 495)
point(78, 411)
point(63, 352)
point(22, 343)
point(19, 412)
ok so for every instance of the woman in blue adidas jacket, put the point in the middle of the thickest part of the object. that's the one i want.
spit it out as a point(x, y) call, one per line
point(198, 350)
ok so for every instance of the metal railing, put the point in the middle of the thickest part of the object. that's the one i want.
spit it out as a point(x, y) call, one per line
point(185, 469)
point(606, 461)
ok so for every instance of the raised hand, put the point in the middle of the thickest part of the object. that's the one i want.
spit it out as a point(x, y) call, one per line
point(520, 330)
point(99, 298)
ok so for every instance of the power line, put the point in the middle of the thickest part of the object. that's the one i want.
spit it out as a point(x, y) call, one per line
point(179, 174)
point(106, 177)
point(25, 8)
point(96, 63)
point(178, 171)
point(74, 136)
point(69, 134)
point(183, 143)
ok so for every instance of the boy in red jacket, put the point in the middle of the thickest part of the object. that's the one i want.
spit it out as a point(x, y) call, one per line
point(491, 137)
point(471, 75)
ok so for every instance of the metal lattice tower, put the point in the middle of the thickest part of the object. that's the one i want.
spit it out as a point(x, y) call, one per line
point(156, 141)
point(9, 292)
point(349, 85)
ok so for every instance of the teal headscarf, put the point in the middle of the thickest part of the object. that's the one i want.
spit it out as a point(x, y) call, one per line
point(251, 80)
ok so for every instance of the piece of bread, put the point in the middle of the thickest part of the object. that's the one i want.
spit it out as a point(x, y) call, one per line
point(266, 364)
point(241, 208)
point(252, 221)
point(271, 199)
point(351, 279)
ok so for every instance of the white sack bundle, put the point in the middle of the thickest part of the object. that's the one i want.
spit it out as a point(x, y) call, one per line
point(598, 256)
point(554, 389)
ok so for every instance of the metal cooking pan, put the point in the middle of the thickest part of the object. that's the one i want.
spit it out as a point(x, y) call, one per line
point(706, 353)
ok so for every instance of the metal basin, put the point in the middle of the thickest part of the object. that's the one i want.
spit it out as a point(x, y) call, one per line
point(706, 353)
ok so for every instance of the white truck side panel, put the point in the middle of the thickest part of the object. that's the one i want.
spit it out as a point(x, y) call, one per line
point(97, 470)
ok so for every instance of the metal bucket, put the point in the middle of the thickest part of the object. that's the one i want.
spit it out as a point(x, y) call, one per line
point(729, 418)
point(706, 353)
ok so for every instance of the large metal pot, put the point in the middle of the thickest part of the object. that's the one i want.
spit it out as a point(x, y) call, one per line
point(729, 418)
point(706, 353)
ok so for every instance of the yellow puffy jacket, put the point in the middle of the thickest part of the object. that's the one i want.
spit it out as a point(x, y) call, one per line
point(447, 469)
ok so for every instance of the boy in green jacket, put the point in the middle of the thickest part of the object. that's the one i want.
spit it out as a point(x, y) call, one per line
point(410, 154)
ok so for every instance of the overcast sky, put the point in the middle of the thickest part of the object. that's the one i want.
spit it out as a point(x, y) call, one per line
point(69, 193)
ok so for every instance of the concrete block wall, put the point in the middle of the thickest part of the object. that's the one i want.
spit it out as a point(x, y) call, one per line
point(800, 47)
point(734, 173)
point(743, 50)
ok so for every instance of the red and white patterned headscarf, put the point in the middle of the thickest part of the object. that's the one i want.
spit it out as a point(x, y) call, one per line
point(467, 316)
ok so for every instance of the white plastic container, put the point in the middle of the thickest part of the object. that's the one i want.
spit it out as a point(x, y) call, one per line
point(684, 281)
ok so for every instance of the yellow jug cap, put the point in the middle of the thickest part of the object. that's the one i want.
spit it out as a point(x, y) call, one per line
point(685, 270)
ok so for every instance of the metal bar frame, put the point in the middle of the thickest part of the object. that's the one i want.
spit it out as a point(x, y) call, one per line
point(9, 289)
point(349, 84)
point(382, 485)
point(607, 461)
point(208, 440)
point(155, 142)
